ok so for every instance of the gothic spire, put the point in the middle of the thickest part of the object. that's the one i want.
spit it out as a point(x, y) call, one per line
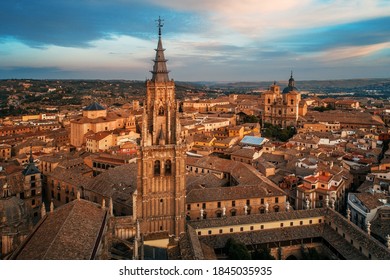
point(160, 72)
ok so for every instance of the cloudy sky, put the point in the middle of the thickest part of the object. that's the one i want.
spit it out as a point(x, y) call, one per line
point(205, 40)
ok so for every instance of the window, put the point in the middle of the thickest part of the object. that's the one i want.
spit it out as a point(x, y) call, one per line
point(58, 196)
point(300, 222)
point(33, 202)
point(218, 204)
point(261, 226)
point(248, 202)
point(204, 205)
point(281, 224)
point(168, 167)
point(188, 206)
point(199, 233)
point(310, 221)
point(241, 229)
point(292, 101)
point(233, 203)
point(231, 229)
point(161, 111)
point(157, 167)
point(262, 201)
point(291, 224)
point(319, 221)
point(161, 228)
point(251, 228)
point(220, 231)
point(210, 232)
point(276, 199)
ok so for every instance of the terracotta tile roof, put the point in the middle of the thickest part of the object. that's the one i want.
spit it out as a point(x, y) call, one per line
point(264, 236)
point(231, 193)
point(257, 218)
point(119, 183)
point(248, 153)
point(380, 225)
point(200, 181)
point(371, 200)
point(74, 176)
point(244, 174)
point(374, 246)
point(362, 118)
point(99, 135)
point(71, 232)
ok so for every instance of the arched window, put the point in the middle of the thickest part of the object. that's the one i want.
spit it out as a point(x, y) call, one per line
point(161, 111)
point(157, 167)
point(292, 101)
point(269, 101)
point(168, 167)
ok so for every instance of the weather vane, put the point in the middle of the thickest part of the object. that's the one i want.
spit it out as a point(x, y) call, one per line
point(160, 23)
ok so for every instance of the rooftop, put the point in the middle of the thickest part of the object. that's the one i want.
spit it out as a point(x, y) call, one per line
point(94, 107)
point(253, 140)
point(71, 232)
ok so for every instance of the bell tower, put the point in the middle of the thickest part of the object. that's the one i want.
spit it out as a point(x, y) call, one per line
point(161, 157)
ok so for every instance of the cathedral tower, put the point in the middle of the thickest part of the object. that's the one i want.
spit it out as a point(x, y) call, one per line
point(161, 159)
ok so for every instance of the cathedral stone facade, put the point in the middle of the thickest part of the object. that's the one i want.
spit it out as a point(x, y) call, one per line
point(281, 108)
point(161, 190)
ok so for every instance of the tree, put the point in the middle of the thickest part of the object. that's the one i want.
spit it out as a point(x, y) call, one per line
point(263, 253)
point(251, 119)
point(236, 250)
point(276, 132)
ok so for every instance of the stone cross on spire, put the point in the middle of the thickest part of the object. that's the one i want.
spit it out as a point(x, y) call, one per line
point(159, 25)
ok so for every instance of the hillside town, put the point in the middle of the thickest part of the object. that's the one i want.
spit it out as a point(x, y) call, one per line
point(140, 172)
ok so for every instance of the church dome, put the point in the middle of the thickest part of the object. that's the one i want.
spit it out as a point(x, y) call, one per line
point(13, 213)
point(289, 89)
point(94, 107)
point(291, 85)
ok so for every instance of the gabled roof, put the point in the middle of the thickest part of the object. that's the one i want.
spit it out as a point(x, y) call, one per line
point(71, 232)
